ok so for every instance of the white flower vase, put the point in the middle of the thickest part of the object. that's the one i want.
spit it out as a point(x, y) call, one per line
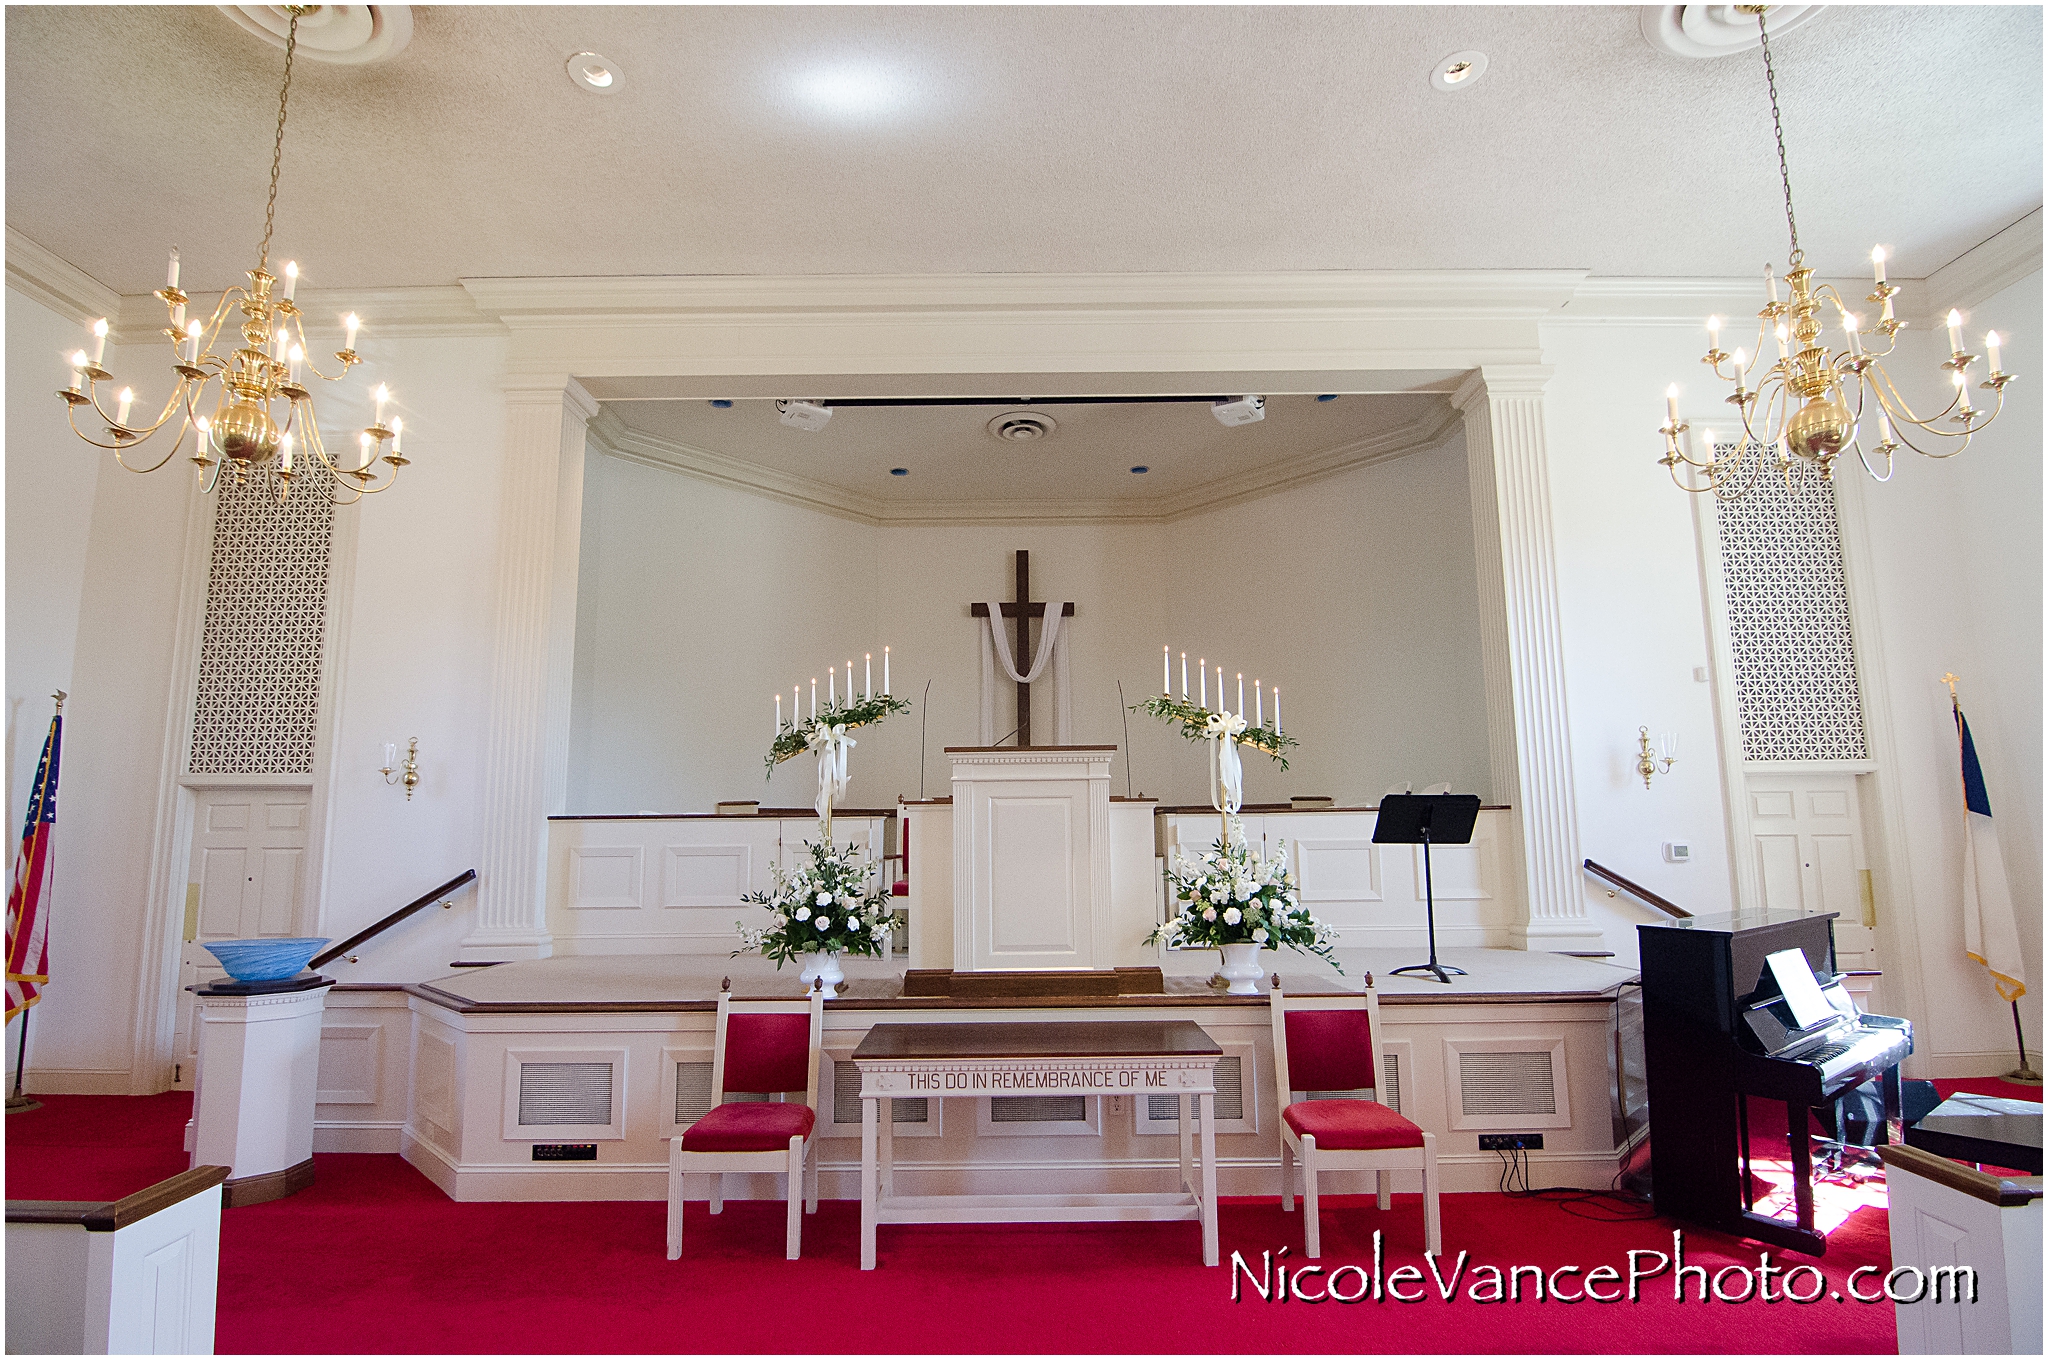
point(1241, 968)
point(822, 966)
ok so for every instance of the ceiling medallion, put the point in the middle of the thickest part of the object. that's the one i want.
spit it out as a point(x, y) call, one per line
point(1706, 31)
point(345, 35)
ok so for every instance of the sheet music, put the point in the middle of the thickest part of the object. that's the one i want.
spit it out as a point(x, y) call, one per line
point(1800, 988)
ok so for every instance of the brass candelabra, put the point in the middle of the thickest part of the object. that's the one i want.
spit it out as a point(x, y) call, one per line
point(1801, 408)
point(246, 431)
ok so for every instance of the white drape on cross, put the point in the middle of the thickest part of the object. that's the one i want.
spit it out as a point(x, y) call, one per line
point(1052, 652)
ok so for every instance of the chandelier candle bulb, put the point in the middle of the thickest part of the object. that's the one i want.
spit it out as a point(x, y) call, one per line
point(178, 317)
point(127, 400)
point(383, 395)
point(77, 370)
point(291, 278)
point(397, 434)
point(352, 324)
point(171, 279)
point(1884, 428)
point(1850, 324)
point(192, 334)
point(1671, 406)
point(99, 341)
point(1877, 263)
point(369, 452)
point(1962, 391)
point(1991, 349)
point(286, 445)
point(1771, 280)
point(295, 358)
point(1784, 344)
point(1713, 334)
point(1955, 331)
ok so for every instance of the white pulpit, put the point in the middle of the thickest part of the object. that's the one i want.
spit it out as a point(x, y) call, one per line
point(1031, 857)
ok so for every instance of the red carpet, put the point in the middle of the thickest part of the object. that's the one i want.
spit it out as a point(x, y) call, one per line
point(373, 1258)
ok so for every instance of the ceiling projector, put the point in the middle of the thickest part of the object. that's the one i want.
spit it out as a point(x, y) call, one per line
point(807, 415)
point(1243, 411)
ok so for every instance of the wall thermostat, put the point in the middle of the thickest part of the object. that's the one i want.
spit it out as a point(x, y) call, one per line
point(1677, 852)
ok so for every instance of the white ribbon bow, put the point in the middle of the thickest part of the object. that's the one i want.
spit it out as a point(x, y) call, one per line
point(832, 745)
point(1226, 770)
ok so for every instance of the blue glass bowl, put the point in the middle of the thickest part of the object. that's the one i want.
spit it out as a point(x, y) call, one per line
point(263, 960)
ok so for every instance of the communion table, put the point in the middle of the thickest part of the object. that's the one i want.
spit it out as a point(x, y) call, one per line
point(1173, 1059)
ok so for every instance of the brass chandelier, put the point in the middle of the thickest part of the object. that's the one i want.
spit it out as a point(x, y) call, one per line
point(246, 432)
point(1808, 407)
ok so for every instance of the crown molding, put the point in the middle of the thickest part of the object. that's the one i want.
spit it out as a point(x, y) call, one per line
point(1984, 270)
point(56, 283)
point(614, 437)
point(532, 303)
point(387, 313)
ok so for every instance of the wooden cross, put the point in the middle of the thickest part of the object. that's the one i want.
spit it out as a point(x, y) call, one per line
point(1023, 609)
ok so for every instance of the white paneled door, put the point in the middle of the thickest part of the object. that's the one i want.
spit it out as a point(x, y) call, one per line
point(246, 880)
point(1808, 834)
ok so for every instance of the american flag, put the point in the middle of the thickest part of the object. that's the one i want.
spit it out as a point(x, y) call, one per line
point(28, 901)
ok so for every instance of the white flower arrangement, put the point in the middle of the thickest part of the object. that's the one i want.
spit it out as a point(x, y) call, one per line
point(824, 907)
point(1239, 894)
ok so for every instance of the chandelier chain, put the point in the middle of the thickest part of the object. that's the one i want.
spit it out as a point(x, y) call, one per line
point(291, 43)
point(1778, 126)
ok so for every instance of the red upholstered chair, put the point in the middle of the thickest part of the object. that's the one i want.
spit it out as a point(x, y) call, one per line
point(761, 1047)
point(1327, 1043)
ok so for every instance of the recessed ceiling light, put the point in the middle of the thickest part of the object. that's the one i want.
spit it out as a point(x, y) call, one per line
point(1458, 71)
point(721, 403)
point(1021, 427)
point(1141, 468)
point(595, 72)
point(899, 472)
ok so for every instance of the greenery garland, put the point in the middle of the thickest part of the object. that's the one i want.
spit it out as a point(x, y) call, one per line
point(1194, 723)
point(795, 739)
point(824, 907)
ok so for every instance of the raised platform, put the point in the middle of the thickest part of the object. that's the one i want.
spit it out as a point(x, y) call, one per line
point(610, 1056)
point(690, 982)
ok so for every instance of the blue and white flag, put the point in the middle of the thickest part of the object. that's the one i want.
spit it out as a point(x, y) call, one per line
point(1991, 934)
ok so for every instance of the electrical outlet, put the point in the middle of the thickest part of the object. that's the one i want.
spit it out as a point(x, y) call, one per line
point(1508, 1142)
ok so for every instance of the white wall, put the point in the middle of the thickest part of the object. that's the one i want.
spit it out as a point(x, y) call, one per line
point(698, 601)
point(94, 562)
point(1955, 549)
point(1634, 618)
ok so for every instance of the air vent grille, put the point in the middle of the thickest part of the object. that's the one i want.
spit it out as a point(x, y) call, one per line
point(565, 1093)
point(1229, 1095)
point(1506, 1083)
point(846, 1100)
point(1038, 1109)
point(693, 1092)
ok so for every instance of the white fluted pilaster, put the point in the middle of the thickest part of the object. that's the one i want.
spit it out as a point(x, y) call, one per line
point(525, 767)
point(1522, 647)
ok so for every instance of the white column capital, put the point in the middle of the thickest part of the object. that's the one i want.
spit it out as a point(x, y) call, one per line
point(1501, 380)
point(551, 390)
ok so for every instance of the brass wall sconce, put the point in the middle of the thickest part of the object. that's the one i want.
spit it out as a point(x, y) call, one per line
point(408, 773)
point(1658, 761)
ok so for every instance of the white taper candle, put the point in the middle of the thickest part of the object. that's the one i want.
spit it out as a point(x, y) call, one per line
point(1183, 677)
point(1955, 331)
point(171, 280)
point(127, 400)
point(867, 687)
point(831, 686)
point(1165, 653)
point(1260, 696)
point(99, 341)
point(1877, 261)
point(778, 713)
point(1276, 710)
point(1991, 349)
point(814, 698)
point(1202, 669)
point(291, 278)
point(885, 670)
point(1240, 694)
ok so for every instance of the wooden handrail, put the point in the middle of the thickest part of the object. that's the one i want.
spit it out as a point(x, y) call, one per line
point(393, 919)
point(98, 1216)
point(1638, 891)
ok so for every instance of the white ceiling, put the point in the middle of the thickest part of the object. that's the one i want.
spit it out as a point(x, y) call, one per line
point(1047, 139)
point(955, 467)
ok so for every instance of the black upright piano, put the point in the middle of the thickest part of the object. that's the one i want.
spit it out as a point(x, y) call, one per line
point(1719, 1029)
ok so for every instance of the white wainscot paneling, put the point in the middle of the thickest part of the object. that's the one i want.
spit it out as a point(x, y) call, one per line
point(365, 1070)
point(604, 877)
point(351, 1064)
point(706, 875)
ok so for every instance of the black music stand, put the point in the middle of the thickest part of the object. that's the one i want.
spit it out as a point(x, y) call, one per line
point(1427, 819)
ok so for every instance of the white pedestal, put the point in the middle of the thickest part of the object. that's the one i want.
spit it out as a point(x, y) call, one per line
point(1031, 884)
point(259, 1071)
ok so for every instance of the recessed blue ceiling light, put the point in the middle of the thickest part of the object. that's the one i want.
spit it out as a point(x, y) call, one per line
point(1141, 468)
point(721, 403)
point(1327, 396)
point(899, 472)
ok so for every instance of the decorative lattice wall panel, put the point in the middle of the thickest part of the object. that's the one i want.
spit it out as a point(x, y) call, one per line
point(1788, 622)
point(258, 701)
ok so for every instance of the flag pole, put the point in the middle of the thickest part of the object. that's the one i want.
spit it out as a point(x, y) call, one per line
point(17, 1103)
point(2024, 1075)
